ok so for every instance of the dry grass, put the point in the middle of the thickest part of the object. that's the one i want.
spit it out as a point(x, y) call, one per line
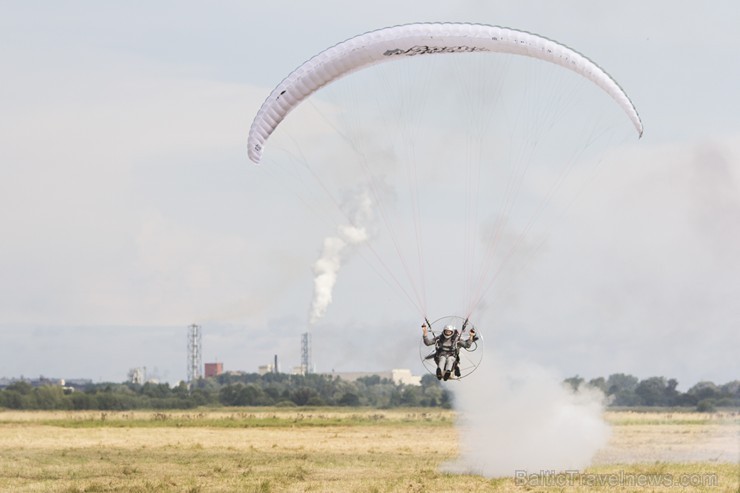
point(311, 450)
point(229, 418)
point(676, 437)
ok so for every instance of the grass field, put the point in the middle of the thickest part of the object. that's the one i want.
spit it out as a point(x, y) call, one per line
point(274, 450)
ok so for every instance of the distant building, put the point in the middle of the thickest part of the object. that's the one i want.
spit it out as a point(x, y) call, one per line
point(397, 376)
point(234, 373)
point(78, 383)
point(42, 381)
point(404, 376)
point(214, 369)
point(351, 376)
point(137, 375)
point(270, 368)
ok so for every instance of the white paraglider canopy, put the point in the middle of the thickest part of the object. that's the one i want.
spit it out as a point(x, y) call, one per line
point(412, 40)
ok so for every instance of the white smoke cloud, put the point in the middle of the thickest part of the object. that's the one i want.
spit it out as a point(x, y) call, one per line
point(335, 250)
point(517, 416)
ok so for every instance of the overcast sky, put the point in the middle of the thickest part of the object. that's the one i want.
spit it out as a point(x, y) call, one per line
point(129, 209)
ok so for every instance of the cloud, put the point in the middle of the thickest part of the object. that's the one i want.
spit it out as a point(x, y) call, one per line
point(116, 203)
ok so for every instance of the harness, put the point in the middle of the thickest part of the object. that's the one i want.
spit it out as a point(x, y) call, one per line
point(451, 349)
point(440, 348)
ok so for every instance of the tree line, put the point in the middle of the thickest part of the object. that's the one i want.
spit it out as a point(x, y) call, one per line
point(628, 391)
point(279, 389)
point(272, 389)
